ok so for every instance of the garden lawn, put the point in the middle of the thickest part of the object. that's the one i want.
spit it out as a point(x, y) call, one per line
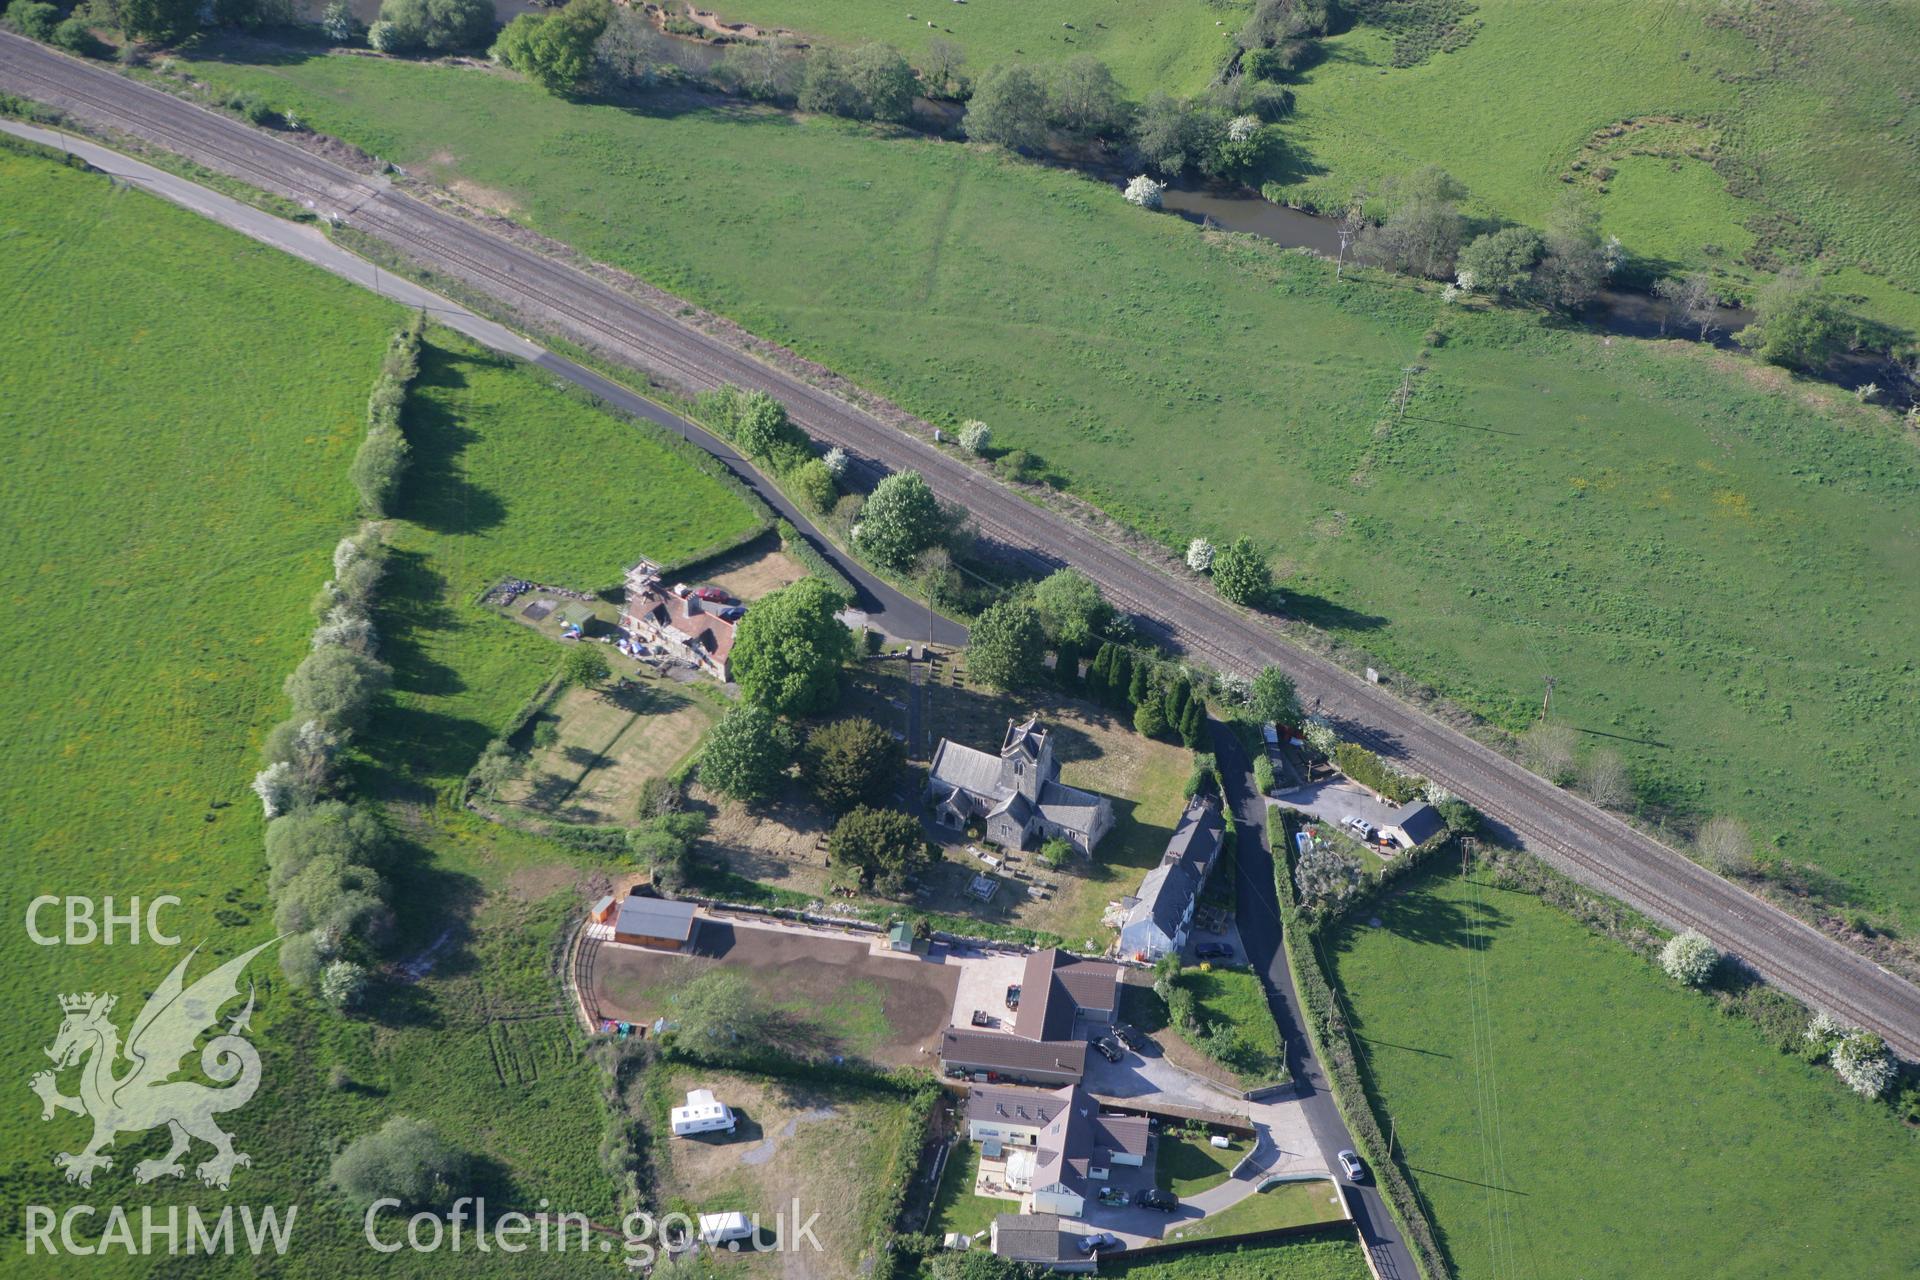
point(1286, 1204)
point(1172, 46)
point(181, 405)
point(1805, 112)
point(1567, 1111)
point(1187, 1165)
point(955, 1206)
point(1317, 1258)
point(1234, 1002)
point(1711, 561)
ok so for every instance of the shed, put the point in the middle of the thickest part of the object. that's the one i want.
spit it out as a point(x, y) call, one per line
point(1414, 824)
point(660, 923)
point(603, 911)
point(577, 615)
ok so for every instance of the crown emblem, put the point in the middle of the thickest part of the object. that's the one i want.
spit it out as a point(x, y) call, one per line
point(77, 1003)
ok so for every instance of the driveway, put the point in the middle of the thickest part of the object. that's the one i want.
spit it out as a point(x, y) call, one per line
point(1153, 1080)
point(1338, 800)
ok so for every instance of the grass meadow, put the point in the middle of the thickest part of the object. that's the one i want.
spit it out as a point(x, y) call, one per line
point(1708, 557)
point(1804, 107)
point(1176, 47)
point(181, 407)
point(1567, 1111)
point(1331, 1257)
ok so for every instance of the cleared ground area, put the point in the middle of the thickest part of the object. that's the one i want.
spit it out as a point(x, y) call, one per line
point(884, 1008)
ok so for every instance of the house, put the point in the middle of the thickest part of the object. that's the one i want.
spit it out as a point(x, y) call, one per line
point(703, 1113)
point(999, 1055)
point(693, 630)
point(1016, 796)
point(1010, 1115)
point(659, 923)
point(1414, 824)
point(1159, 916)
point(1063, 997)
point(1037, 1238)
point(1076, 1150)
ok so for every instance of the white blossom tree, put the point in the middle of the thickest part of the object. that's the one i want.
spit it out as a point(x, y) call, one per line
point(1325, 876)
point(975, 436)
point(1145, 192)
point(1199, 555)
point(836, 460)
point(1321, 737)
point(1240, 128)
point(1824, 1031)
point(276, 788)
point(1690, 958)
point(1864, 1063)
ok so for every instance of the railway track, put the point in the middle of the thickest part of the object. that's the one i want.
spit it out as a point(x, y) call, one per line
point(1592, 846)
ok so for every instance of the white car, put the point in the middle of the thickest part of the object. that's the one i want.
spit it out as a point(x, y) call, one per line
point(1351, 1166)
point(1361, 826)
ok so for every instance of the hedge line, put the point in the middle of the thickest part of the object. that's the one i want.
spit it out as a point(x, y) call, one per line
point(1327, 1029)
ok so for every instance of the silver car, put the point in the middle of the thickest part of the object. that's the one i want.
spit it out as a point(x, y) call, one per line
point(1351, 1166)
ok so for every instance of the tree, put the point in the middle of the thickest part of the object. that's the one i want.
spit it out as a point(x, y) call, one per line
point(883, 82)
point(349, 834)
point(310, 752)
point(764, 70)
point(33, 19)
point(1724, 845)
point(404, 1160)
point(1006, 645)
point(1273, 698)
point(1084, 99)
point(557, 51)
point(1548, 750)
point(336, 687)
point(884, 845)
point(439, 24)
point(1009, 108)
point(159, 20)
point(1175, 698)
point(1174, 135)
point(1796, 325)
point(813, 485)
point(663, 844)
point(585, 665)
point(1690, 958)
point(1192, 725)
point(943, 69)
point(1576, 260)
point(900, 520)
point(1864, 1062)
point(1056, 853)
point(745, 755)
point(1139, 683)
point(1606, 781)
point(1200, 555)
point(1424, 229)
point(1146, 193)
point(851, 762)
point(1150, 718)
point(788, 650)
point(1241, 574)
point(719, 1012)
point(1690, 299)
point(1325, 876)
point(826, 84)
point(378, 466)
point(343, 984)
point(976, 437)
point(328, 893)
point(1071, 608)
point(629, 52)
point(1503, 261)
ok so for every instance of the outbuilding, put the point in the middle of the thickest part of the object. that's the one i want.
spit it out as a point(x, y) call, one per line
point(1414, 824)
point(659, 923)
point(604, 910)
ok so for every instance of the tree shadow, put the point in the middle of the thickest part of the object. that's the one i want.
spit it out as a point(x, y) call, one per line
point(435, 493)
point(1420, 916)
point(1326, 614)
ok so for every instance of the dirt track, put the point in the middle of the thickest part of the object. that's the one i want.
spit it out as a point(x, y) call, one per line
point(1588, 844)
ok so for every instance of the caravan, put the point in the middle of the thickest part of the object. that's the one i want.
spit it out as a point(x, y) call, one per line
point(703, 1114)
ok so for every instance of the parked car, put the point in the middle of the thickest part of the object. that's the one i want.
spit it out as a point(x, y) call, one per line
point(733, 613)
point(1013, 996)
point(1100, 1242)
point(1130, 1036)
point(1107, 1047)
point(1360, 827)
point(714, 594)
point(1351, 1166)
point(1156, 1199)
point(1113, 1197)
point(1213, 951)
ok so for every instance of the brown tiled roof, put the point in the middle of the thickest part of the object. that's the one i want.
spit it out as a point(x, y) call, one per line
point(1081, 1139)
point(1012, 1104)
point(998, 1051)
point(688, 615)
point(1054, 986)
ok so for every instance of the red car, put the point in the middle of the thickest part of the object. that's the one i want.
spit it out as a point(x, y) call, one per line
point(714, 594)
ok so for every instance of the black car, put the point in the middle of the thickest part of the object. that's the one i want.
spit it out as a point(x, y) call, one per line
point(1213, 951)
point(1108, 1048)
point(1129, 1036)
point(1156, 1199)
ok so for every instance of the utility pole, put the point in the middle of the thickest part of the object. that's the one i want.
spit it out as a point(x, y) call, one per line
point(1393, 1131)
point(1546, 704)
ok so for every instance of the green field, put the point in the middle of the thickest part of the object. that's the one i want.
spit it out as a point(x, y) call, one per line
point(1311, 1259)
point(1285, 1204)
point(182, 405)
point(1174, 46)
point(1569, 1112)
point(1713, 571)
point(1806, 110)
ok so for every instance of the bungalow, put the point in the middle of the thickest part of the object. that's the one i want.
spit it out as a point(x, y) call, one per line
point(1159, 916)
point(688, 628)
point(997, 1055)
point(659, 923)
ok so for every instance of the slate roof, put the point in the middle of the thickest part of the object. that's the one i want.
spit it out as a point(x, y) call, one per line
point(1028, 739)
point(958, 765)
point(1010, 1104)
point(1070, 807)
point(1418, 821)
point(1054, 987)
point(1032, 1237)
point(1081, 1139)
point(1171, 886)
point(1012, 1055)
point(655, 918)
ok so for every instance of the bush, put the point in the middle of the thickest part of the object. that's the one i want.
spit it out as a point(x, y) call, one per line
point(1369, 770)
point(378, 467)
point(585, 665)
point(1263, 773)
point(406, 1161)
point(813, 485)
point(338, 23)
point(554, 51)
point(329, 894)
point(343, 984)
point(1146, 193)
point(349, 834)
point(1056, 853)
point(1150, 719)
point(32, 19)
point(851, 762)
point(663, 844)
point(75, 36)
point(1241, 573)
point(385, 37)
point(975, 436)
point(1200, 555)
point(1690, 958)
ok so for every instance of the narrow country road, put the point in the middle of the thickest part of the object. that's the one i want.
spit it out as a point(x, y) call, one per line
point(1173, 607)
point(1259, 920)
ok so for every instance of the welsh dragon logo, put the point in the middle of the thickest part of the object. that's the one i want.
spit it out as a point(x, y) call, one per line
point(147, 1096)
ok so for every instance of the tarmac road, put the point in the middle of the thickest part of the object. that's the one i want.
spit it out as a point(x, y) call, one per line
point(1259, 920)
point(1173, 608)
